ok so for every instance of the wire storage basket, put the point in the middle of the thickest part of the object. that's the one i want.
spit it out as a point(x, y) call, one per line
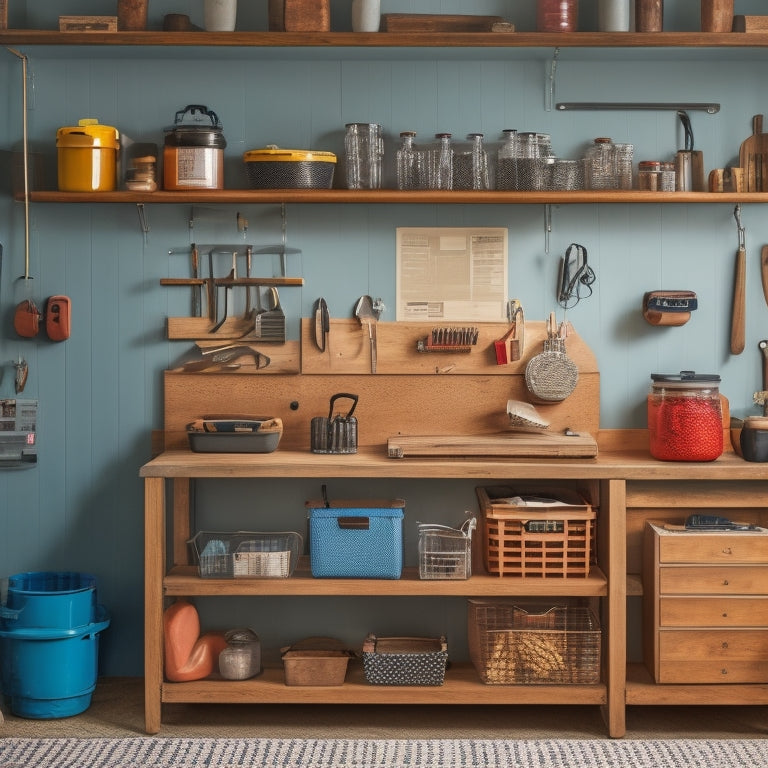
point(246, 554)
point(517, 643)
point(444, 552)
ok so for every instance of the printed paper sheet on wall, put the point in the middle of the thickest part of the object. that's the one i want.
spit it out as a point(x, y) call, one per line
point(451, 274)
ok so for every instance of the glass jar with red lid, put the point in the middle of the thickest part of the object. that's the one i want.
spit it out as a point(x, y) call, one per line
point(685, 421)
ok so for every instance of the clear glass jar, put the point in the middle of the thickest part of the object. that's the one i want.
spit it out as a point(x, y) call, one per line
point(668, 179)
point(441, 163)
point(649, 175)
point(406, 161)
point(685, 421)
point(601, 165)
point(506, 160)
point(535, 160)
point(364, 151)
point(470, 164)
point(557, 15)
point(624, 154)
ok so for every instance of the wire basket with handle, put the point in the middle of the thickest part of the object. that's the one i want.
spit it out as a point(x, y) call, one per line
point(445, 552)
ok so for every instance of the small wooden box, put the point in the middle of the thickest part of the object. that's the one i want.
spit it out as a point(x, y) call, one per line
point(299, 15)
point(87, 23)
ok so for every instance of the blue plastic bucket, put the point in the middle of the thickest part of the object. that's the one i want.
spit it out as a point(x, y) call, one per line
point(50, 673)
point(49, 600)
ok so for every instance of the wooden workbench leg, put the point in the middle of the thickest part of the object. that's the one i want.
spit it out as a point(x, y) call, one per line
point(154, 571)
point(613, 527)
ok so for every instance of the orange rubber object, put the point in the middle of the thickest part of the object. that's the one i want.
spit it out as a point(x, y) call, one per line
point(188, 656)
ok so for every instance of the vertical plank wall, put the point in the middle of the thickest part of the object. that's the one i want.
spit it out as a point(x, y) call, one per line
point(100, 392)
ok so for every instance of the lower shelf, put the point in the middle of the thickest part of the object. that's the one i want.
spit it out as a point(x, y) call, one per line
point(641, 689)
point(461, 686)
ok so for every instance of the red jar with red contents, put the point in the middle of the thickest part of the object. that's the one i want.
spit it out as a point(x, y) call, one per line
point(685, 421)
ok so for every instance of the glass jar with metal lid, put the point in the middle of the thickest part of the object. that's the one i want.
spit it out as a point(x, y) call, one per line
point(685, 420)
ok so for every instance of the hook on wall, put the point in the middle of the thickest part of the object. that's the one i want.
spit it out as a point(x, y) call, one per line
point(549, 91)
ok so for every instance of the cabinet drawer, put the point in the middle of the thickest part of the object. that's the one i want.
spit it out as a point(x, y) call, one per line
point(685, 672)
point(713, 548)
point(714, 645)
point(713, 612)
point(715, 580)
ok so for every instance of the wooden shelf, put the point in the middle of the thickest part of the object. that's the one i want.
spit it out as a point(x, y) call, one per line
point(462, 686)
point(372, 196)
point(387, 39)
point(372, 461)
point(183, 580)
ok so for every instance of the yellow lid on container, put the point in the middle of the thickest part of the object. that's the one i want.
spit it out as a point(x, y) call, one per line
point(88, 133)
point(274, 154)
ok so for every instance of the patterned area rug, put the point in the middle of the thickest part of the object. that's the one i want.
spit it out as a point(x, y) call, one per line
point(426, 753)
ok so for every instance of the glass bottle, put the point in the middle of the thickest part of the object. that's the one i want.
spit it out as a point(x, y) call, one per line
point(441, 165)
point(506, 160)
point(406, 161)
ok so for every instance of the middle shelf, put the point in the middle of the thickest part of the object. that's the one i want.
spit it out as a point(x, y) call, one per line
point(183, 580)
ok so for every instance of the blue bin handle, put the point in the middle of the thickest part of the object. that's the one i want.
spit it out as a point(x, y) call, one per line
point(52, 633)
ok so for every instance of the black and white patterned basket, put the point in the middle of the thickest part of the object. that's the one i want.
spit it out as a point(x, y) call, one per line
point(405, 660)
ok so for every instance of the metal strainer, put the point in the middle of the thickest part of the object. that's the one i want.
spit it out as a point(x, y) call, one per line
point(551, 375)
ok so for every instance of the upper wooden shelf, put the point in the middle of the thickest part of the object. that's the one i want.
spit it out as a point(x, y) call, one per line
point(487, 197)
point(16, 37)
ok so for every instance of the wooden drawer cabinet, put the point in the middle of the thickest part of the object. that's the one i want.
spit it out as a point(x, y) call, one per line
point(705, 622)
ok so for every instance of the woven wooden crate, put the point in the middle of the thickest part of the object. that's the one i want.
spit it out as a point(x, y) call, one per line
point(512, 644)
point(546, 541)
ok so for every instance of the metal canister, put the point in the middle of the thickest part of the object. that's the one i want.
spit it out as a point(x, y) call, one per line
point(335, 434)
point(193, 156)
point(87, 157)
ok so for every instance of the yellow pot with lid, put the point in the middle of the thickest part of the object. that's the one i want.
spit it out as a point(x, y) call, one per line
point(87, 157)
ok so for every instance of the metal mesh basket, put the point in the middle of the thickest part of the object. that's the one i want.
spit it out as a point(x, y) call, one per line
point(445, 553)
point(292, 175)
point(534, 644)
point(277, 168)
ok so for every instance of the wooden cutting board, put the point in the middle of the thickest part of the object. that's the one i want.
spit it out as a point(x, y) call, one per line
point(437, 22)
point(506, 444)
point(753, 158)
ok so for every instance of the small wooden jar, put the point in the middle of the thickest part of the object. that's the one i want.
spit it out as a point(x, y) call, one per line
point(716, 15)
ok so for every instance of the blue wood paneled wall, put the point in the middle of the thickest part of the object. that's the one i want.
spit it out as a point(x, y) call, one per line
point(100, 392)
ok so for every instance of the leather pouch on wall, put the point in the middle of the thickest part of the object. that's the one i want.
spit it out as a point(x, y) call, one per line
point(26, 319)
point(669, 307)
point(57, 317)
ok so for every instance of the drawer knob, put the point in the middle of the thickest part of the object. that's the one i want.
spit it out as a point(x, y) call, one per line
point(725, 582)
point(727, 551)
point(723, 671)
point(725, 644)
point(725, 614)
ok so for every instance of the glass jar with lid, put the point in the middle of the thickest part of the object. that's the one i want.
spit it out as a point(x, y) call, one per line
point(685, 421)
